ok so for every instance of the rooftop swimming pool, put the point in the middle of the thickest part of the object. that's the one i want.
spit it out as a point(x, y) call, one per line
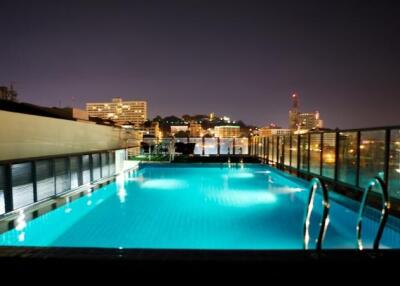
point(169, 206)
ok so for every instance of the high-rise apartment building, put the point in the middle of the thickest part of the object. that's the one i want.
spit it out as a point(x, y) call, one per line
point(122, 112)
point(310, 120)
point(303, 120)
point(294, 113)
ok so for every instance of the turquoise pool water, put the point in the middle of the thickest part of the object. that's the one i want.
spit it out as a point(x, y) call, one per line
point(190, 207)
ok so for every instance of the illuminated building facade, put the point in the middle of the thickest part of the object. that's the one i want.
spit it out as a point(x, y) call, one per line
point(122, 112)
point(303, 120)
point(310, 120)
point(178, 128)
point(294, 113)
point(195, 129)
point(229, 131)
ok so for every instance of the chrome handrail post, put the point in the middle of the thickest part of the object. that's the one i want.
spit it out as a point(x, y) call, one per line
point(384, 212)
point(316, 184)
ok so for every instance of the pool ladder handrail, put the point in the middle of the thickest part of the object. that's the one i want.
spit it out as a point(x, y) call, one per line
point(315, 184)
point(384, 212)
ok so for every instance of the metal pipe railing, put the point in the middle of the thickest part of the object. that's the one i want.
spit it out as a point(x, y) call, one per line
point(384, 212)
point(316, 184)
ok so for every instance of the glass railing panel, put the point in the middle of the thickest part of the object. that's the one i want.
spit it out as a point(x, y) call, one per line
point(279, 150)
point(74, 165)
point(198, 148)
point(211, 146)
point(22, 184)
point(105, 172)
point(372, 156)
point(242, 146)
point(273, 149)
point(394, 164)
point(270, 149)
point(226, 146)
point(304, 152)
point(329, 153)
point(112, 162)
point(315, 153)
point(286, 150)
point(45, 179)
point(294, 151)
point(62, 175)
point(347, 161)
point(96, 166)
point(86, 169)
point(260, 146)
point(2, 188)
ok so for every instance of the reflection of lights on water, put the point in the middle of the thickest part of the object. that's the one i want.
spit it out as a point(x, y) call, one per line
point(68, 209)
point(285, 190)
point(263, 172)
point(270, 180)
point(120, 179)
point(122, 194)
point(163, 184)
point(245, 198)
point(242, 175)
point(21, 236)
point(20, 226)
point(89, 203)
point(20, 221)
point(137, 179)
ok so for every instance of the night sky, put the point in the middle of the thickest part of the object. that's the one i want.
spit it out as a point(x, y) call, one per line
point(238, 58)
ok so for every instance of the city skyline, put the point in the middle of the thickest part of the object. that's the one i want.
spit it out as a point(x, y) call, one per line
point(242, 59)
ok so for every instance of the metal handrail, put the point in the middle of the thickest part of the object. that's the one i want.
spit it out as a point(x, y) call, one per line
point(316, 184)
point(384, 212)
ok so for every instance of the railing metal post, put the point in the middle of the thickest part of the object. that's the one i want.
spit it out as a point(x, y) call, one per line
point(101, 161)
point(8, 194)
point(80, 170)
point(91, 167)
point(69, 172)
point(268, 139)
point(218, 146)
point(290, 150)
point(265, 148)
point(308, 153)
point(282, 154)
point(34, 180)
point(321, 155)
point(298, 154)
point(387, 157)
point(358, 152)
point(233, 146)
point(203, 142)
point(337, 143)
point(53, 170)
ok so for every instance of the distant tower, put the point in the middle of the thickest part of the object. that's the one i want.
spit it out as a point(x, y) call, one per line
point(294, 112)
point(8, 93)
point(12, 93)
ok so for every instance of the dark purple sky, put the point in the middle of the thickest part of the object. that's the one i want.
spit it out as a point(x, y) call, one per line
point(238, 58)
